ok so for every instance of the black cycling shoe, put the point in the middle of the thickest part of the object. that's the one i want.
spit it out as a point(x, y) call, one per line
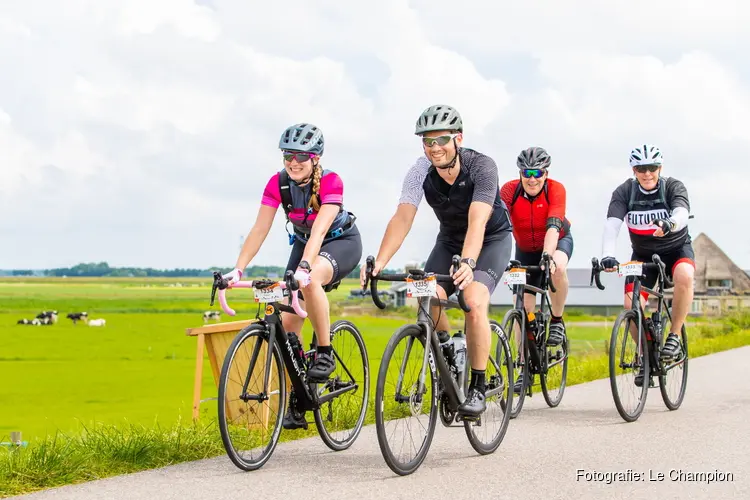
point(474, 405)
point(556, 333)
point(517, 386)
point(639, 378)
point(671, 347)
point(294, 419)
point(322, 367)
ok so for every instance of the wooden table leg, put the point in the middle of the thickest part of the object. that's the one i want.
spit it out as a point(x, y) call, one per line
point(198, 377)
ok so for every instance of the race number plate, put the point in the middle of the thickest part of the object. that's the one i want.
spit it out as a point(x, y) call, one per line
point(274, 293)
point(421, 288)
point(632, 268)
point(515, 277)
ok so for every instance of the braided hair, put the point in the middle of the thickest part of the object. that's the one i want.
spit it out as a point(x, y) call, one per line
point(315, 196)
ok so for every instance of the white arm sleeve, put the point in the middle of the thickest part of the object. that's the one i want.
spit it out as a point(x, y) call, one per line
point(680, 218)
point(609, 242)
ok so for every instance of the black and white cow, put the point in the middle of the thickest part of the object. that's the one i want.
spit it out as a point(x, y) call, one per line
point(35, 321)
point(81, 316)
point(49, 316)
point(211, 315)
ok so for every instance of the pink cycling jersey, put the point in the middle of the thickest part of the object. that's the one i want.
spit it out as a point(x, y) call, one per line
point(331, 192)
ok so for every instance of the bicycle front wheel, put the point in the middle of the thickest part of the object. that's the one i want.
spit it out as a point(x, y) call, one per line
point(486, 434)
point(339, 420)
point(625, 361)
point(672, 385)
point(555, 378)
point(250, 418)
point(513, 326)
point(406, 400)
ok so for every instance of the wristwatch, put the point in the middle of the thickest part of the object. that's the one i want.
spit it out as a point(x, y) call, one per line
point(471, 262)
point(304, 265)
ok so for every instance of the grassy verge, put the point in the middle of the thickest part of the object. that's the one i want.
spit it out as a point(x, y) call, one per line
point(108, 450)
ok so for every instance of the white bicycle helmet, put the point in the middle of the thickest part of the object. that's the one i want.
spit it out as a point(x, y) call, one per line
point(648, 154)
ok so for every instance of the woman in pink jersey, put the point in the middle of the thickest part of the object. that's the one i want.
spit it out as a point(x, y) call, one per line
point(326, 244)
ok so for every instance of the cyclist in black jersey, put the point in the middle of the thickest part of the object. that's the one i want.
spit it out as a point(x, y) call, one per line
point(461, 186)
point(656, 210)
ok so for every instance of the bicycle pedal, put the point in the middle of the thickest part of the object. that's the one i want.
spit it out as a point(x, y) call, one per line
point(468, 418)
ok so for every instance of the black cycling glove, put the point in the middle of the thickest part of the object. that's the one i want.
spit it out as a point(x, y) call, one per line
point(609, 263)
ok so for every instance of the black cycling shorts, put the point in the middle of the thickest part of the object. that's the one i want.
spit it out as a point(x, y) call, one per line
point(683, 254)
point(491, 264)
point(344, 253)
point(564, 244)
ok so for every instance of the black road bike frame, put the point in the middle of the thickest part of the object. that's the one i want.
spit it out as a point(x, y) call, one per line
point(455, 394)
point(653, 332)
point(533, 356)
point(296, 364)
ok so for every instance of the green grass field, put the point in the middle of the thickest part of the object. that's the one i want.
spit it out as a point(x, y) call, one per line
point(122, 394)
point(140, 367)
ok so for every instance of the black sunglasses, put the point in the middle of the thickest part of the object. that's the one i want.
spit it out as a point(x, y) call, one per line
point(641, 169)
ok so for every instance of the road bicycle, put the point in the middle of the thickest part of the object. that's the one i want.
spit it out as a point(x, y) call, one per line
point(534, 356)
point(252, 398)
point(625, 365)
point(408, 397)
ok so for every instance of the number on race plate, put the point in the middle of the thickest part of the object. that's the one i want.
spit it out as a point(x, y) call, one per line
point(632, 268)
point(421, 288)
point(515, 277)
point(273, 293)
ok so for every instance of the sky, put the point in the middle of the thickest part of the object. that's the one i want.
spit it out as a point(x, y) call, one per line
point(142, 133)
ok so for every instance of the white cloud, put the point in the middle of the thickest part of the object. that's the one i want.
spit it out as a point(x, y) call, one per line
point(143, 134)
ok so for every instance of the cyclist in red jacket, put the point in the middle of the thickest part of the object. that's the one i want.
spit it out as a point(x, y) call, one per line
point(537, 211)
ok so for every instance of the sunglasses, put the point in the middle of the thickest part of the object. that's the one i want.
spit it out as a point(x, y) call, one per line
point(440, 141)
point(300, 157)
point(536, 173)
point(641, 169)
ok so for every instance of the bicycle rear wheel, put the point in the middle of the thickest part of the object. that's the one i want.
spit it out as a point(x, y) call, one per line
point(399, 404)
point(513, 325)
point(624, 364)
point(486, 434)
point(339, 421)
point(246, 424)
point(672, 385)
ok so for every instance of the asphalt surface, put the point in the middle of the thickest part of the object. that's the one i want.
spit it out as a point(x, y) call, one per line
point(547, 453)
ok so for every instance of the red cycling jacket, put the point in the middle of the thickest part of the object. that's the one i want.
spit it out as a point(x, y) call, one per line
point(532, 217)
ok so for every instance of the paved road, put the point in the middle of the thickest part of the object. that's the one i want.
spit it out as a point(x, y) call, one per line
point(708, 433)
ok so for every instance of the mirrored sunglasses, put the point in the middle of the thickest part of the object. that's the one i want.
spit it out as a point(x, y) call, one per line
point(536, 173)
point(300, 157)
point(440, 140)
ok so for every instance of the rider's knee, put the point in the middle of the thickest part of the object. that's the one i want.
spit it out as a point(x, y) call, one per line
point(683, 275)
point(562, 270)
point(477, 302)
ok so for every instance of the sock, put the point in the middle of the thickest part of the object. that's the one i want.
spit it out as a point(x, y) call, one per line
point(324, 349)
point(556, 319)
point(477, 379)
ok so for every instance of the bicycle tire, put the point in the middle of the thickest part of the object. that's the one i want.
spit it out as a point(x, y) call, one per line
point(507, 368)
point(333, 443)
point(554, 402)
point(254, 330)
point(515, 314)
point(625, 315)
point(673, 405)
point(399, 468)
